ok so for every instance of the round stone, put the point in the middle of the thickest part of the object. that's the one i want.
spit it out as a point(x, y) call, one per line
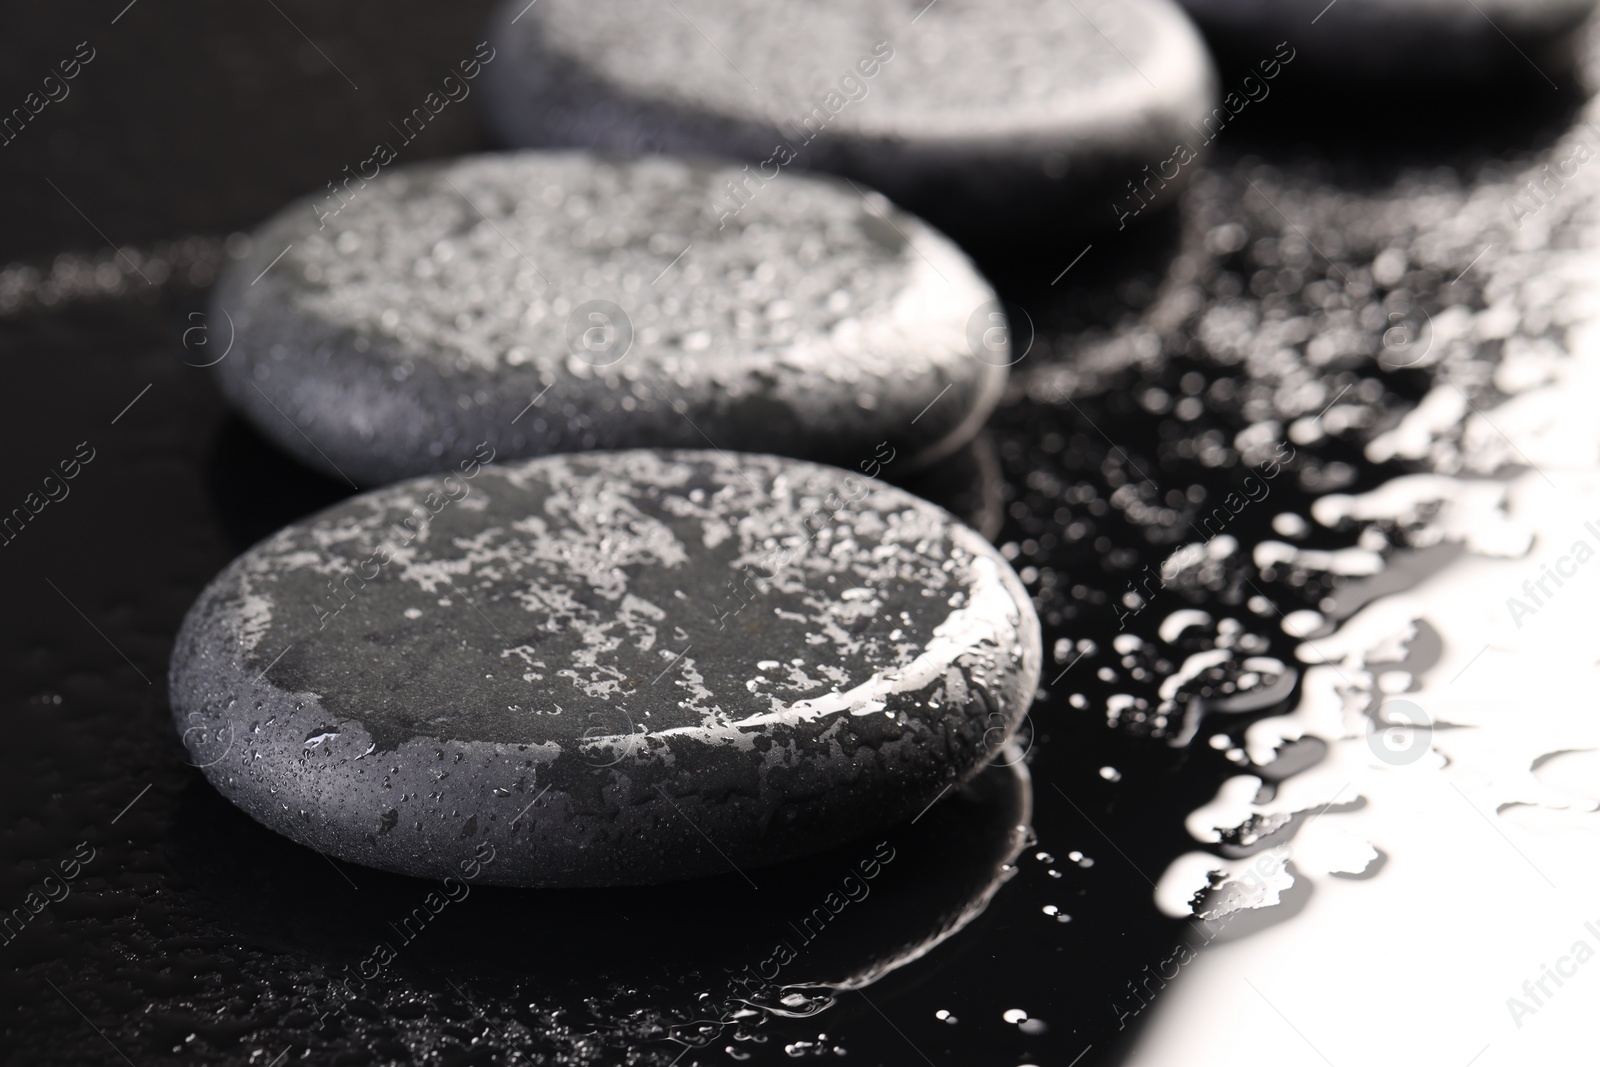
point(553, 302)
point(991, 118)
point(605, 668)
point(1398, 39)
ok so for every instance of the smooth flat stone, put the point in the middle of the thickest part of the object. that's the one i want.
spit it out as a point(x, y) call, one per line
point(605, 668)
point(1398, 39)
point(1023, 116)
point(554, 302)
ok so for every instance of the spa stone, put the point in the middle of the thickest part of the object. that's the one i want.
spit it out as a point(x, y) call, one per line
point(558, 302)
point(1003, 122)
point(605, 669)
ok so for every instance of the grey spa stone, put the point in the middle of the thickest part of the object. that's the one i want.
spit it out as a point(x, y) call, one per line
point(556, 302)
point(605, 668)
point(997, 120)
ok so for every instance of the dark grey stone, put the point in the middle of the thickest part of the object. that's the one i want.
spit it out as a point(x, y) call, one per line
point(606, 668)
point(994, 120)
point(1401, 39)
point(555, 302)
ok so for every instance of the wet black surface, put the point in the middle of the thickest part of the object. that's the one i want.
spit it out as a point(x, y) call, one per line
point(195, 936)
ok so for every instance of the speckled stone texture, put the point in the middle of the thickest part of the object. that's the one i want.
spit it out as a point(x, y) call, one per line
point(994, 120)
point(1404, 39)
point(612, 668)
point(553, 302)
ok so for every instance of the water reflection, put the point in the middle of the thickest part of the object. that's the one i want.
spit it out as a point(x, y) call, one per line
point(591, 974)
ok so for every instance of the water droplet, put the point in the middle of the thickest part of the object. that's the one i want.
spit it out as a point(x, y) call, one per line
point(1288, 524)
point(1111, 774)
point(1015, 1015)
point(1302, 624)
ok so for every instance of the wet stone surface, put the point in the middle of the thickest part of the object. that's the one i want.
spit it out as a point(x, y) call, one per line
point(554, 302)
point(613, 668)
point(985, 118)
